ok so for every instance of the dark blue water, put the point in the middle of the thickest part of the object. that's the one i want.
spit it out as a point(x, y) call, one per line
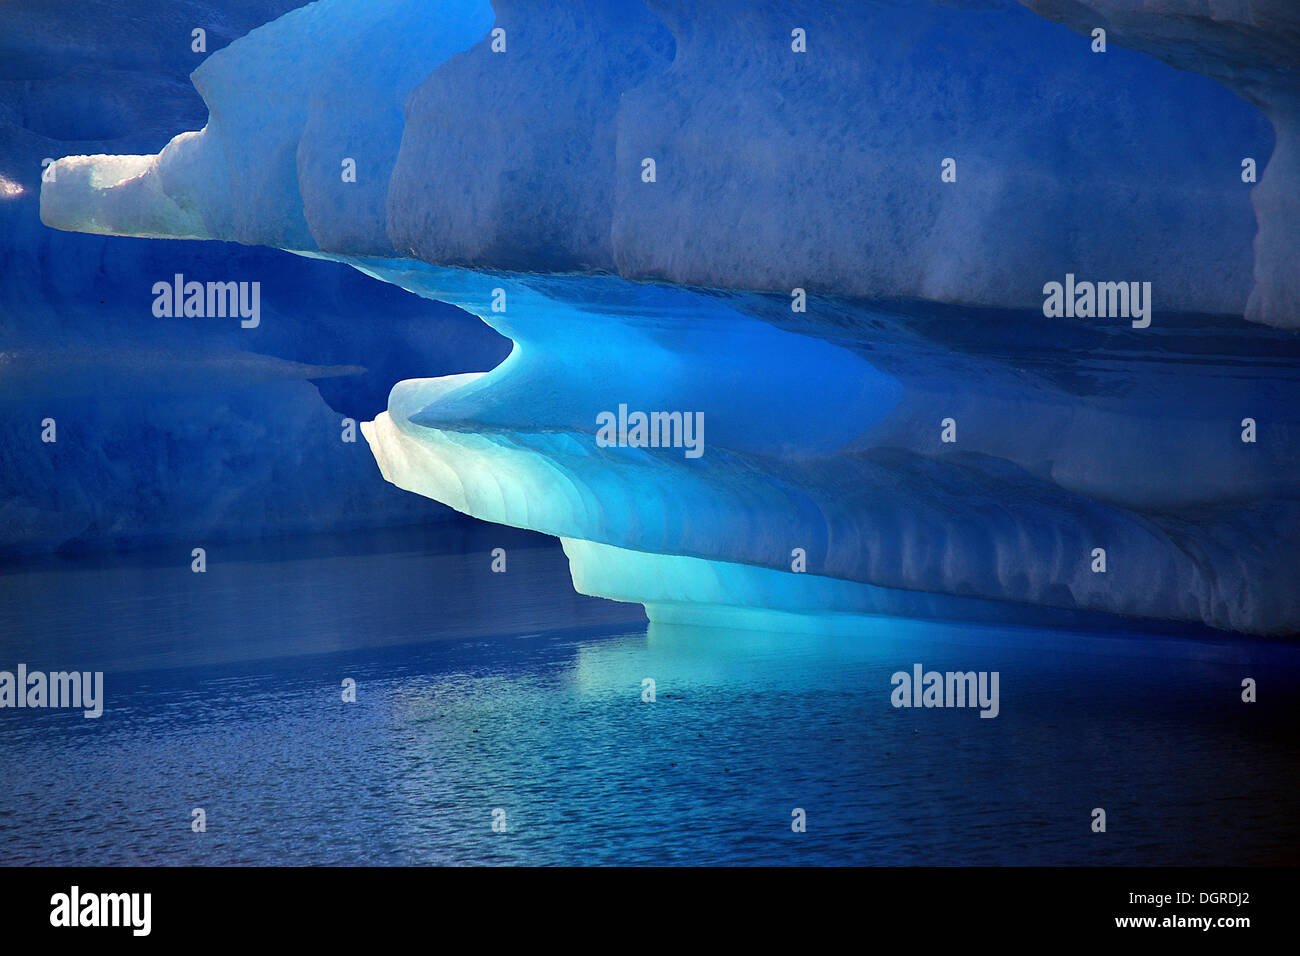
point(478, 691)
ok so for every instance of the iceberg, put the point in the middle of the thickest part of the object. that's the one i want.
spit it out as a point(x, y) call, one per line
point(828, 232)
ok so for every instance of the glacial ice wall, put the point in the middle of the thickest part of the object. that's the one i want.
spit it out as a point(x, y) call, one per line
point(922, 434)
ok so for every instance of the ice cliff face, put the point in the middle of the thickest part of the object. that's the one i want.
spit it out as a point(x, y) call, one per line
point(631, 192)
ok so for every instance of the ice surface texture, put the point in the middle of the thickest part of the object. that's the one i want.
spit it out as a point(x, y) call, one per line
point(1254, 49)
point(522, 170)
point(824, 434)
point(773, 169)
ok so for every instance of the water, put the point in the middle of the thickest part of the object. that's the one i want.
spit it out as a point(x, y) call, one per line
point(478, 691)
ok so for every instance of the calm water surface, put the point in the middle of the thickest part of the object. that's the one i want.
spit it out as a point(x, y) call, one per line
point(478, 691)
